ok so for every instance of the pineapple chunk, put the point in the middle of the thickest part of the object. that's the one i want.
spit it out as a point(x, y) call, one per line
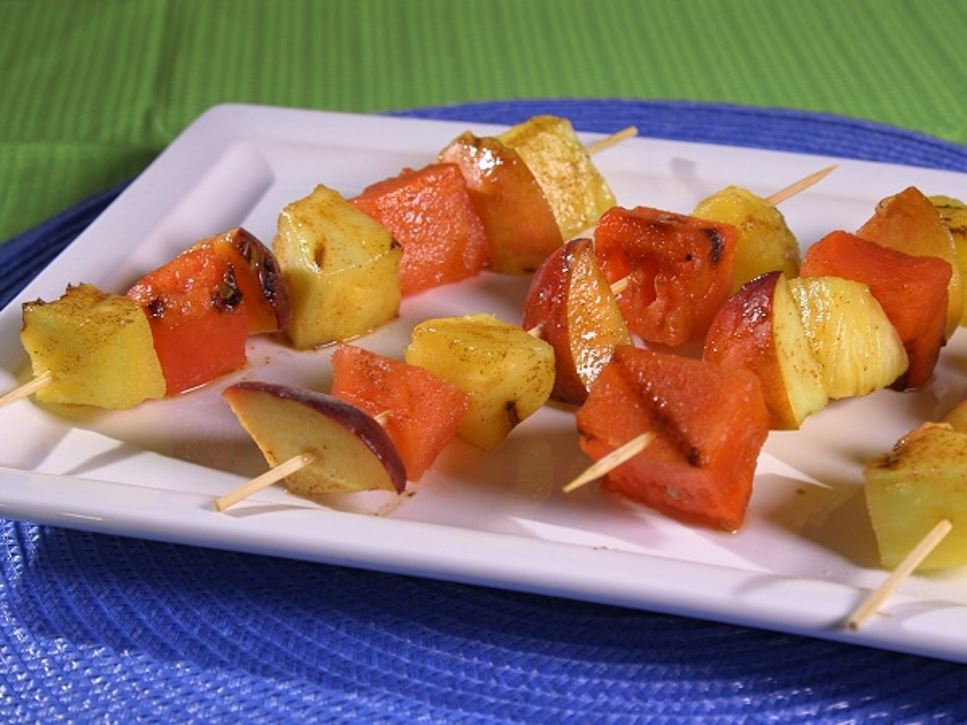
point(765, 242)
point(507, 373)
point(341, 268)
point(953, 213)
point(857, 347)
point(98, 348)
point(908, 490)
point(576, 191)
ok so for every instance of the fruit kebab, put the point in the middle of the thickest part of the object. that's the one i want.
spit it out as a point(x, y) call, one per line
point(504, 201)
point(533, 186)
point(871, 315)
point(817, 337)
point(300, 432)
point(474, 376)
point(682, 435)
point(505, 372)
point(675, 271)
point(176, 328)
point(173, 298)
point(359, 295)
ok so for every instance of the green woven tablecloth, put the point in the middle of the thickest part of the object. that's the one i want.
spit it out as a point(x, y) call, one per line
point(91, 91)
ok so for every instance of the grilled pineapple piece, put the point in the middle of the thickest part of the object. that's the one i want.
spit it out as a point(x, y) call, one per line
point(97, 347)
point(908, 490)
point(575, 190)
point(765, 243)
point(856, 346)
point(507, 373)
point(341, 268)
point(953, 213)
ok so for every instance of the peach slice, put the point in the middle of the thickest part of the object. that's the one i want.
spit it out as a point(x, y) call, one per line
point(759, 329)
point(575, 190)
point(519, 223)
point(571, 300)
point(910, 223)
point(351, 451)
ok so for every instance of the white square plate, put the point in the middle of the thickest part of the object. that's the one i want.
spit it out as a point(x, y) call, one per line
point(804, 558)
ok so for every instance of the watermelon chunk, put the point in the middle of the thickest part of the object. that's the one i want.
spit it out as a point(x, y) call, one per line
point(424, 410)
point(710, 423)
point(679, 270)
point(430, 214)
point(199, 322)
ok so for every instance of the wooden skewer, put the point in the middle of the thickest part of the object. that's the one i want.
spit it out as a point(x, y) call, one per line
point(612, 140)
point(611, 461)
point(275, 474)
point(286, 468)
point(801, 185)
point(28, 388)
point(906, 567)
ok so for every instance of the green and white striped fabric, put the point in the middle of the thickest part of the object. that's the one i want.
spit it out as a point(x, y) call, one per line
point(91, 91)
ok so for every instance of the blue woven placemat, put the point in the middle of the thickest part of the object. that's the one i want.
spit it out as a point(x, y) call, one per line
point(101, 627)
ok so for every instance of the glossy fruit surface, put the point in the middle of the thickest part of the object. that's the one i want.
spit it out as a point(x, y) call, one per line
point(911, 290)
point(679, 270)
point(422, 411)
point(198, 322)
point(430, 213)
point(571, 301)
point(709, 421)
point(519, 223)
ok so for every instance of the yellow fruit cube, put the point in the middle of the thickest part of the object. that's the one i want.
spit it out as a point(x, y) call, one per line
point(97, 347)
point(766, 243)
point(911, 488)
point(507, 373)
point(341, 268)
